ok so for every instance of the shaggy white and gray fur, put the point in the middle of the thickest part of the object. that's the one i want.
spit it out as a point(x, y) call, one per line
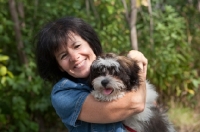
point(111, 76)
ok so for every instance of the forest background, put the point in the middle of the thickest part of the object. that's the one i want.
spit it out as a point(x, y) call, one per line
point(167, 32)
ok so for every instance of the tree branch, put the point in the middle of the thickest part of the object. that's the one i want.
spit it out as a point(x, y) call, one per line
point(20, 8)
point(87, 4)
point(126, 11)
point(17, 29)
point(151, 23)
point(94, 10)
point(132, 23)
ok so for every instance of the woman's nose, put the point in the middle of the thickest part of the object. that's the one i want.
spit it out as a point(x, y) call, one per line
point(74, 56)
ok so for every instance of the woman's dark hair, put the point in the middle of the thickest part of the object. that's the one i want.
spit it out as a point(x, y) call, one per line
point(53, 36)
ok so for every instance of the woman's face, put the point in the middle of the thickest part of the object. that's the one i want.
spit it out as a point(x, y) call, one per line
point(76, 57)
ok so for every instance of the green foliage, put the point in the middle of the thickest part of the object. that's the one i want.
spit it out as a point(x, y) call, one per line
point(24, 97)
point(111, 26)
point(16, 95)
point(4, 72)
point(170, 57)
point(184, 118)
point(173, 54)
point(25, 103)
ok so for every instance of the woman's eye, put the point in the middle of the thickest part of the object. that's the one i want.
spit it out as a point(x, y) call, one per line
point(76, 46)
point(63, 56)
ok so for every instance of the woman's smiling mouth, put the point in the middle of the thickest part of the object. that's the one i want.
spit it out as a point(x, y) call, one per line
point(79, 65)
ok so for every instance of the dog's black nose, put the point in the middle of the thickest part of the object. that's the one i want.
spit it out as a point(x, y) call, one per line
point(104, 82)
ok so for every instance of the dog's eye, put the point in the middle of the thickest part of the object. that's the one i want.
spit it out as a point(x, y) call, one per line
point(103, 69)
point(113, 72)
point(98, 71)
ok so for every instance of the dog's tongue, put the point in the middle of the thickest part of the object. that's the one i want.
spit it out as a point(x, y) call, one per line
point(107, 91)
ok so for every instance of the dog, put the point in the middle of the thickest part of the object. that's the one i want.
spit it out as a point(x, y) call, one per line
point(112, 76)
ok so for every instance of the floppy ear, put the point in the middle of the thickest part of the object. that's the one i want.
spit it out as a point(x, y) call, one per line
point(93, 73)
point(135, 78)
point(131, 69)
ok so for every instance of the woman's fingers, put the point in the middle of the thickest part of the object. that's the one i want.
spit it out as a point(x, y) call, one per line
point(140, 58)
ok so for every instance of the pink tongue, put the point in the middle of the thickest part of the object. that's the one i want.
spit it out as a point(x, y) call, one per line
point(107, 91)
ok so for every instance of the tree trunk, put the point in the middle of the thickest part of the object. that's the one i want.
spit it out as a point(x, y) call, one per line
point(151, 24)
point(91, 2)
point(17, 29)
point(87, 5)
point(132, 23)
point(131, 19)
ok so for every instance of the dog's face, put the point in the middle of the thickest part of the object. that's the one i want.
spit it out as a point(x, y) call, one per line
point(111, 74)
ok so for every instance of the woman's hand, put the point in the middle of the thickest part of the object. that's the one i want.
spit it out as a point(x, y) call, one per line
point(142, 61)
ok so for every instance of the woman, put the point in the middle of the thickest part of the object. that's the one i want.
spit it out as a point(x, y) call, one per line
point(66, 49)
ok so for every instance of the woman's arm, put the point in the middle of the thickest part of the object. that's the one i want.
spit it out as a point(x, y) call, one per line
point(132, 103)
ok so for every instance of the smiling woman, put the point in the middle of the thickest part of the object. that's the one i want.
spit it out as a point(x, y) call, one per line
point(66, 48)
point(76, 57)
point(58, 40)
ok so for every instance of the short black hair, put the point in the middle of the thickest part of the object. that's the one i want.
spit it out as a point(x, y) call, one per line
point(53, 36)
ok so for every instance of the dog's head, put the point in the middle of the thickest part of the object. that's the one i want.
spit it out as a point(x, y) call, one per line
point(110, 74)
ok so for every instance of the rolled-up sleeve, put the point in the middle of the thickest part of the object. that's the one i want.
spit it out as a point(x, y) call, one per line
point(67, 99)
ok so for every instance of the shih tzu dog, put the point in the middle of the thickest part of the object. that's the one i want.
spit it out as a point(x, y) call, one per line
point(112, 76)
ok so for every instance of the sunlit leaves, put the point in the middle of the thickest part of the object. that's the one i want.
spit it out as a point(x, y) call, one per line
point(112, 27)
point(142, 3)
point(4, 72)
point(170, 57)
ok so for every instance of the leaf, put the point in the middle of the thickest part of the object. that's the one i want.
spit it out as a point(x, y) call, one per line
point(191, 91)
point(181, 57)
point(145, 3)
point(10, 74)
point(110, 9)
point(3, 70)
point(4, 58)
point(195, 83)
point(3, 80)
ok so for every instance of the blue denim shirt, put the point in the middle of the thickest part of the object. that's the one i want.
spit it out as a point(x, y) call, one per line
point(67, 99)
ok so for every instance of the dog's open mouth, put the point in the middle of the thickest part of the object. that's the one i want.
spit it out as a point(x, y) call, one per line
point(107, 91)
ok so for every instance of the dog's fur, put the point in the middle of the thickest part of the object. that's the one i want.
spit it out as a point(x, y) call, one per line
point(111, 76)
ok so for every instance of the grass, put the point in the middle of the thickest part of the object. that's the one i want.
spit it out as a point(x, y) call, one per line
point(184, 119)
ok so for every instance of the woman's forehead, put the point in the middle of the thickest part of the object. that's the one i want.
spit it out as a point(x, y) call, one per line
point(69, 41)
point(63, 42)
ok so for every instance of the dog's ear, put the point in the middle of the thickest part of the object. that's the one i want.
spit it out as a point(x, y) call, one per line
point(135, 69)
point(93, 73)
point(131, 69)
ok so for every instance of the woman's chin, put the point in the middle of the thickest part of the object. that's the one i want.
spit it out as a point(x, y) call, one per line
point(81, 75)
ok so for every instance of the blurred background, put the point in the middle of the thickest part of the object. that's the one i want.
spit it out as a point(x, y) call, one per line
point(167, 32)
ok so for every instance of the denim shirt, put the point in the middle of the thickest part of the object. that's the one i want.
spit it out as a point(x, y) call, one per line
point(67, 98)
